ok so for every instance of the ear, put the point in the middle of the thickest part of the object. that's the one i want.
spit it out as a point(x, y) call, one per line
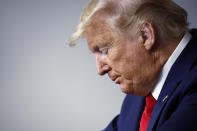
point(147, 35)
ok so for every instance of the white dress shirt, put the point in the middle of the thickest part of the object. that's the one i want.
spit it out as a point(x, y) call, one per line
point(167, 66)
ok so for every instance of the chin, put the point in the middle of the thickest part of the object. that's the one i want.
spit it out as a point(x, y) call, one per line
point(126, 89)
point(134, 91)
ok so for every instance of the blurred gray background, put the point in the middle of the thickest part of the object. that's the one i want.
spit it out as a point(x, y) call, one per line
point(46, 85)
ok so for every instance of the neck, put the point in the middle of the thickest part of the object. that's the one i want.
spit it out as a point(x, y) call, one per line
point(165, 50)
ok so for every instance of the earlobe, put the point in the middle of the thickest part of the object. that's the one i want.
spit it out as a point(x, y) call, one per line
point(148, 35)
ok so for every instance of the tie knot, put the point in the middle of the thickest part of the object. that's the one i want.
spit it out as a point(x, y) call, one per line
point(150, 102)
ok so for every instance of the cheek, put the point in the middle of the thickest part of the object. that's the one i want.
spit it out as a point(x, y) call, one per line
point(131, 65)
point(127, 59)
point(123, 65)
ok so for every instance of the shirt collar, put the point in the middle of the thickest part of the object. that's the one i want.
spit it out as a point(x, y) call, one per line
point(167, 66)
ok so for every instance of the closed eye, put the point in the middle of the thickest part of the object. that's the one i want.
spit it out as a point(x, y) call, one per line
point(104, 50)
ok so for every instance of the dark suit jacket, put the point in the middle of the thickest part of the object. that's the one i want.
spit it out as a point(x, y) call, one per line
point(176, 106)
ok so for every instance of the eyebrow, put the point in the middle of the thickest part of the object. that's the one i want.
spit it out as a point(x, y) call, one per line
point(93, 48)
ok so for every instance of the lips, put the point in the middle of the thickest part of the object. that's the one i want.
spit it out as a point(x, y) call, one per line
point(117, 80)
point(114, 77)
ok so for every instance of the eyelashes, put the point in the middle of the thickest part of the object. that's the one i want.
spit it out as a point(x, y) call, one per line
point(104, 50)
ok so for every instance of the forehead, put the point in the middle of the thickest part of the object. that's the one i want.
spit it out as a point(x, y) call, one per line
point(98, 33)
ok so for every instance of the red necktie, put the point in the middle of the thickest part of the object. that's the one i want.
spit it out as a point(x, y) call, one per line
point(150, 103)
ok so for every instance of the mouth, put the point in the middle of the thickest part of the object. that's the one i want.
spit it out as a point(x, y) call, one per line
point(114, 77)
point(116, 80)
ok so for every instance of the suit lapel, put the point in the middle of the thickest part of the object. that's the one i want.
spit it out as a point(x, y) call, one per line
point(178, 71)
point(131, 113)
point(138, 114)
point(162, 100)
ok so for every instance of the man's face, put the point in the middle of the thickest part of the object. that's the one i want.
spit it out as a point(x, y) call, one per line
point(125, 61)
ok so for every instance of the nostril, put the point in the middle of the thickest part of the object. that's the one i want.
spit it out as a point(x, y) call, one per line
point(105, 72)
point(102, 73)
point(101, 65)
point(105, 69)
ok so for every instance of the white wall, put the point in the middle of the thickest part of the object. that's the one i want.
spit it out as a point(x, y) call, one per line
point(44, 84)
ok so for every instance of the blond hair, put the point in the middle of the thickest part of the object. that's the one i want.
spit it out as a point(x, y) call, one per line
point(168, 19)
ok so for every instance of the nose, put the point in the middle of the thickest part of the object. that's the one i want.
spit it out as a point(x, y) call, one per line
point(101, 64)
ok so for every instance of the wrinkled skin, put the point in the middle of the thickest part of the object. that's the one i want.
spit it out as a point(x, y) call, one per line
point(127, 62)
